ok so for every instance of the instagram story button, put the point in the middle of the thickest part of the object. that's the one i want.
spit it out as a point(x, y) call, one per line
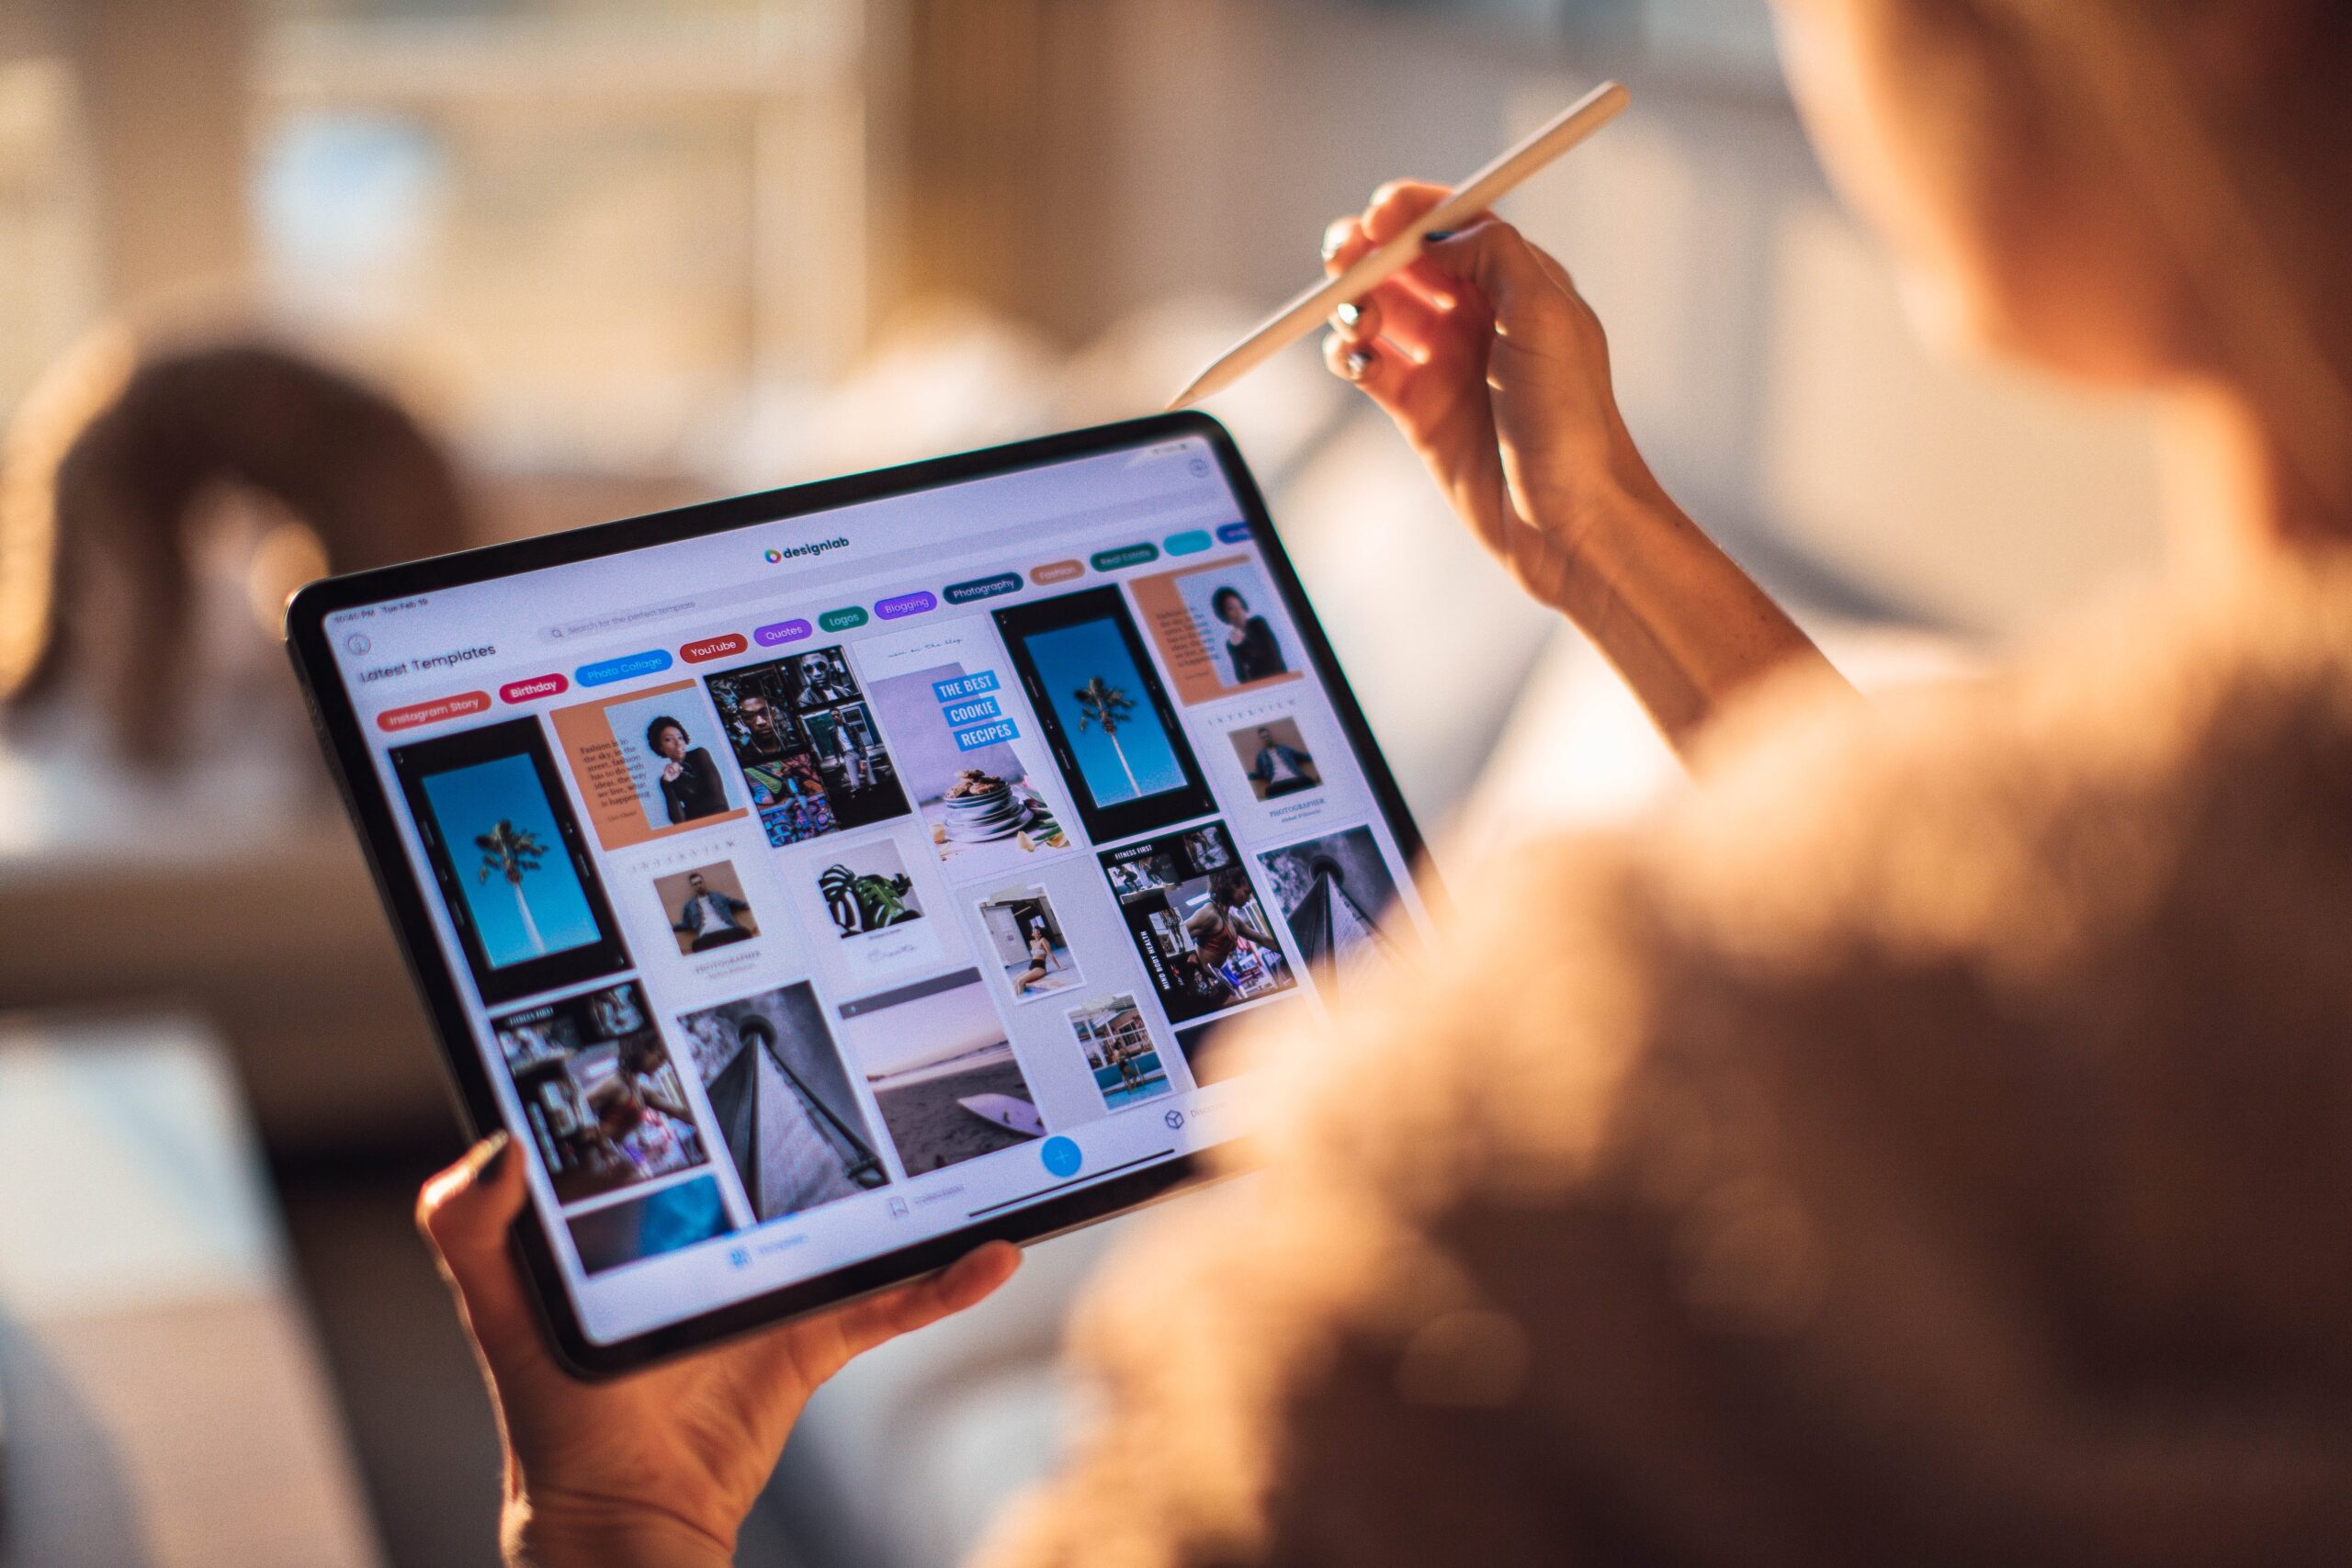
point(712, 647)
point(433, 711)
point(535, 688)
point(782, 632)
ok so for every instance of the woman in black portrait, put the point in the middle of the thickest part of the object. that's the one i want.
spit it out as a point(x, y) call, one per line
point(1249, 640)
point(691, 786)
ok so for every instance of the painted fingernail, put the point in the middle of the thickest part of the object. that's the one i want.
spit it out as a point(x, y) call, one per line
point(1348, 315)
point(496, 1149)
point(1334, 237)
point(1439, 236)
point(1359, 364)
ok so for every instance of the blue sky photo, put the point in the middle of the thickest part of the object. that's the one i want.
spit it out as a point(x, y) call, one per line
point(1066, 660)
point(470, 801)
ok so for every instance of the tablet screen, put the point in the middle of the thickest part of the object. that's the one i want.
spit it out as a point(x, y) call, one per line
point(823, 885)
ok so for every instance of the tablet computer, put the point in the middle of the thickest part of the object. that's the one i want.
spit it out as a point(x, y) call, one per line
point(818, 884)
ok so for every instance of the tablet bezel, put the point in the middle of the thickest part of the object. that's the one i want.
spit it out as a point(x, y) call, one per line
point(1084, 1199)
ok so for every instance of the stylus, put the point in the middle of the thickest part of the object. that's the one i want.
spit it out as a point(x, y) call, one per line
point(1473, 196)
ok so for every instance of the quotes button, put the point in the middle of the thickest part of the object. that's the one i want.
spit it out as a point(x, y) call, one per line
point(782, 632)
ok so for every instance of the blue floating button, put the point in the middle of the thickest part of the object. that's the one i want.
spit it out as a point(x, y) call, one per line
point(1062, 1157)
point(1190, 543)
point(604, 672)
point(1234, 534)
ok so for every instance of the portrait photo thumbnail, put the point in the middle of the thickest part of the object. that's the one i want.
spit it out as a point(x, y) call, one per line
point(781, 1101)
point(1275, 759)
point(1197, 921)
point(1216, 626)
point(706, 906)
point(599, 1091)
point(648, 764)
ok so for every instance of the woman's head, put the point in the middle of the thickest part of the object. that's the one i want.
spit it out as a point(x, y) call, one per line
point(668, 738)
point(1230, 606)
point(2148, 192)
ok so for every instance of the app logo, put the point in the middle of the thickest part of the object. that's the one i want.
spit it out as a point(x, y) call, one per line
point(774, 557)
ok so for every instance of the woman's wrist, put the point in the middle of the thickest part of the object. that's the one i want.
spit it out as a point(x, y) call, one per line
point(560, 1535)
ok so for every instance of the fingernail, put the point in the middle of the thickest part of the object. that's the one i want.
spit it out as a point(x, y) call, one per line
point(493, 1157)
point(1333, 237)
point(1359, 364)
point(1348, 315)
point(1439, 236)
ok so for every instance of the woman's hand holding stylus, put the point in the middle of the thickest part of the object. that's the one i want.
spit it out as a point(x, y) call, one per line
point(657, 1468)
point(1497, 371)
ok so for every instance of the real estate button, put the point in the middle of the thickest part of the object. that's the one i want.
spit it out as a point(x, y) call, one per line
point(1126, 555)
point(984, 587)
point(712, 647)
point(842, 619)
point(433, 712)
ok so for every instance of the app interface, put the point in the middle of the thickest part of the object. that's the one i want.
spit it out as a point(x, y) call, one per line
point(822, 886)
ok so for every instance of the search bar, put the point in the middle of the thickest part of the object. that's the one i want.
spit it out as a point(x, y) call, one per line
point(800, 584)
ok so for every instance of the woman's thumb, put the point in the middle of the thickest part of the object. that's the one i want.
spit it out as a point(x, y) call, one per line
point(465, 1213)
point(1492, 256)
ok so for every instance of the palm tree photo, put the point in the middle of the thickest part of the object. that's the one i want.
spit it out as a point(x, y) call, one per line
point(1108, 705)
point(512, 851)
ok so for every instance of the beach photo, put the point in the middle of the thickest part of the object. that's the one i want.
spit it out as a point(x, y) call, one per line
point(1026, 937)
point(782, 1102)
point(1111, 1035)
point(942, 1072)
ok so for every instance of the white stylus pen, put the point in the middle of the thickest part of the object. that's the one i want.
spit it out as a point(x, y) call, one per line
point(1473, 196)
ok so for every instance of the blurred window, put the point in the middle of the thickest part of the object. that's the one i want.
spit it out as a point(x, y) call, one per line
point(1703, 36)
point(48, 247)
point(599, 225)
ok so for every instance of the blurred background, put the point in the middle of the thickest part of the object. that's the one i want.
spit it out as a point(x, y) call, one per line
point(287, 285)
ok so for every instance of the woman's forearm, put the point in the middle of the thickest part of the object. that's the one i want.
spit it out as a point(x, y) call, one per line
point(1680, 622)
